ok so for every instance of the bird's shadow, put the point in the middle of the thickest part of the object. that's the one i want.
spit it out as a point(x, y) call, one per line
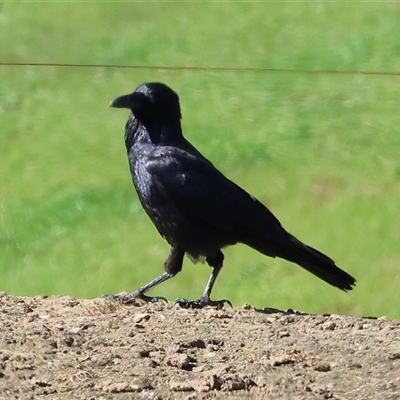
point(290, 311)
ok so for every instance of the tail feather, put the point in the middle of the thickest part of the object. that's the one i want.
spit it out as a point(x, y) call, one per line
point(318, 264)
point(289, 248)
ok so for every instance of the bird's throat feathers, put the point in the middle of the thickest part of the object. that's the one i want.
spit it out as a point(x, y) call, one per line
point(135, 132)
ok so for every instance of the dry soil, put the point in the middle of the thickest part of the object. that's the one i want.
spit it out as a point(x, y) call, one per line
point(66, 348)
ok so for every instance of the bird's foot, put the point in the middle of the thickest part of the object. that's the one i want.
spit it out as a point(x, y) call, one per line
point(131, 297)
point(202, 302)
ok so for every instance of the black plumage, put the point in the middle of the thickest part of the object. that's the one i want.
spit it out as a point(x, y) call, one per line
point(193, 205)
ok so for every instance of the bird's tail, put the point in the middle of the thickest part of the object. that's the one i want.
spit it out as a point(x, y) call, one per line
point(317, 263)
point(289, 248)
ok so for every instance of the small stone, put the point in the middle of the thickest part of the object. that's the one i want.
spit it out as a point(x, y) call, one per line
point(113, 387)
point(148, 394)
point(141, 384)
point(212, 347)
point(330, 326)
point(218, 371)
point(174, 348)
point(141, 317)
point(322, 367)
point(179, 360)
point(282, 360)
point(201, 386)
point(180, 386)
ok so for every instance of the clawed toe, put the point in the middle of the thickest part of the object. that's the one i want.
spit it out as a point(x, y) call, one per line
point(112, 297)
point(202, 302)
point(131, 297)
point(146, 299)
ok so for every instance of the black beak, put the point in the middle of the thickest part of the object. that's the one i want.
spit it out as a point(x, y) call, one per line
point(124, 101)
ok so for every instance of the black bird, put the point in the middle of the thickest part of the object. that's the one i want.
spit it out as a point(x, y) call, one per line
point(194, 206)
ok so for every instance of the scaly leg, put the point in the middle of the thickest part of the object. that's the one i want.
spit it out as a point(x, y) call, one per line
point(216, 263)
point(172, 265)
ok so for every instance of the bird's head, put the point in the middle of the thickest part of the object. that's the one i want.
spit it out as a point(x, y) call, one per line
point(153, 104)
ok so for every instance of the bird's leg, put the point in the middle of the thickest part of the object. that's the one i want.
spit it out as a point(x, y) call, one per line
point(172, 266)
point(216, 263)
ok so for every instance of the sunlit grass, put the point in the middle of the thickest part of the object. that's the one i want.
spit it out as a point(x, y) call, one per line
point(322, 151)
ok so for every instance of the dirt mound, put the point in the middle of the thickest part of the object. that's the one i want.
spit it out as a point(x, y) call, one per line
point(63, 348)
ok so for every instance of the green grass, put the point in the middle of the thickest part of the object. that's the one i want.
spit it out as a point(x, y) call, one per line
point(322, 151)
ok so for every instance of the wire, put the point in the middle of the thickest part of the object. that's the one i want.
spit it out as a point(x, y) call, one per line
point(210, 69)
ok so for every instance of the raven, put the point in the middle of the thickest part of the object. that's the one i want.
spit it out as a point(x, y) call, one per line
point(194, 206)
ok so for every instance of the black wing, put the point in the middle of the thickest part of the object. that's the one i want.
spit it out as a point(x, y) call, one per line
point(197, 189)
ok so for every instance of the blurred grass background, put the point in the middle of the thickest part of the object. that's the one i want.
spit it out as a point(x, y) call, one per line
point(322, 151)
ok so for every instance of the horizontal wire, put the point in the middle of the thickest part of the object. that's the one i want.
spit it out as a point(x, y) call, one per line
point(211, 69)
